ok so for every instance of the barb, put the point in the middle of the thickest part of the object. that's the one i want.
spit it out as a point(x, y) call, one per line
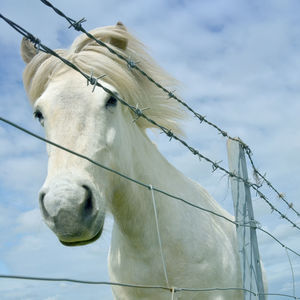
point(77, 25)
point(140, 113)
point(94, 80)
point(133, 65)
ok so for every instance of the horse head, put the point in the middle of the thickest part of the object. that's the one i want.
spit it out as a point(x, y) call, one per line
point(87, 121)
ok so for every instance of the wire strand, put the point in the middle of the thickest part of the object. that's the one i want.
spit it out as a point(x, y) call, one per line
point(292, 272)
point(158, 235)
point(128, 285)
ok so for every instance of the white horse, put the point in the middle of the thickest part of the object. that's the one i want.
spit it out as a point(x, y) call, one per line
point(199, 249)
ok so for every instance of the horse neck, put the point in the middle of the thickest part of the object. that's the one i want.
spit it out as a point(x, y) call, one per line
point(132, 204)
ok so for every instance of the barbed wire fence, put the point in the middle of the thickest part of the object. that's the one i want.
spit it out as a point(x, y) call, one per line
point(77, 25)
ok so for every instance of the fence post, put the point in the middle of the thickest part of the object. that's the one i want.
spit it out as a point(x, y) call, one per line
point(247, 239)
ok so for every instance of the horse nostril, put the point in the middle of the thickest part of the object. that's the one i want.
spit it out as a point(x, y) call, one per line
point(88, 201)
point(42, 196)
point(42, 204)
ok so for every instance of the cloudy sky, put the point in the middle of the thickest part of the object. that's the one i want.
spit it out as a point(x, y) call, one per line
point(239, 64)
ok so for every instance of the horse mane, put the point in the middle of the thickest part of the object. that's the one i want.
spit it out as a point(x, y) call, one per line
point(134, 88)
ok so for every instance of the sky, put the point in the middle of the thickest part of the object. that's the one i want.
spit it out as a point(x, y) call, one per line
point(238, 62)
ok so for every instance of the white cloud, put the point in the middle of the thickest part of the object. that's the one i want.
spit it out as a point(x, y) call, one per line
point(52, 298)
point(29, 221)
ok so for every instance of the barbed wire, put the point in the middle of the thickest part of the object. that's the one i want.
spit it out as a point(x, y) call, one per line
point(77, 25)
point(128, 285)
point(253, 224)
point(140, 113)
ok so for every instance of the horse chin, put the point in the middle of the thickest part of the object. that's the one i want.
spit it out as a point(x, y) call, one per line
point(84, 242)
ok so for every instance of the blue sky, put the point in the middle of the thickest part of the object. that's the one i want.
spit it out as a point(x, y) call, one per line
point(239, 64)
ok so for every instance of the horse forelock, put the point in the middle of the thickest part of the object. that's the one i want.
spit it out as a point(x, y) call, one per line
point(90, 57)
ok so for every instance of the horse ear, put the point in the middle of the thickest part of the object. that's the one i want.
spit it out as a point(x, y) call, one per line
point(119, 42)
point(27, 50)
point(121, 26)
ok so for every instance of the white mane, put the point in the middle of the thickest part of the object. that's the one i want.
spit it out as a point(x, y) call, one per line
point(133, 87)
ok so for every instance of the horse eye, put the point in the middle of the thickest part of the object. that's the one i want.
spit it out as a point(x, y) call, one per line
point(38, 115)
point(111, 102)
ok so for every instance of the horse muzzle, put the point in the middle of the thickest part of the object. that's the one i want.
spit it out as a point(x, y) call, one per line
point(71, 210)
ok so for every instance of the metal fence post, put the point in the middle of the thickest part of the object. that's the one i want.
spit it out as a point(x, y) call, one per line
point(247, 239)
